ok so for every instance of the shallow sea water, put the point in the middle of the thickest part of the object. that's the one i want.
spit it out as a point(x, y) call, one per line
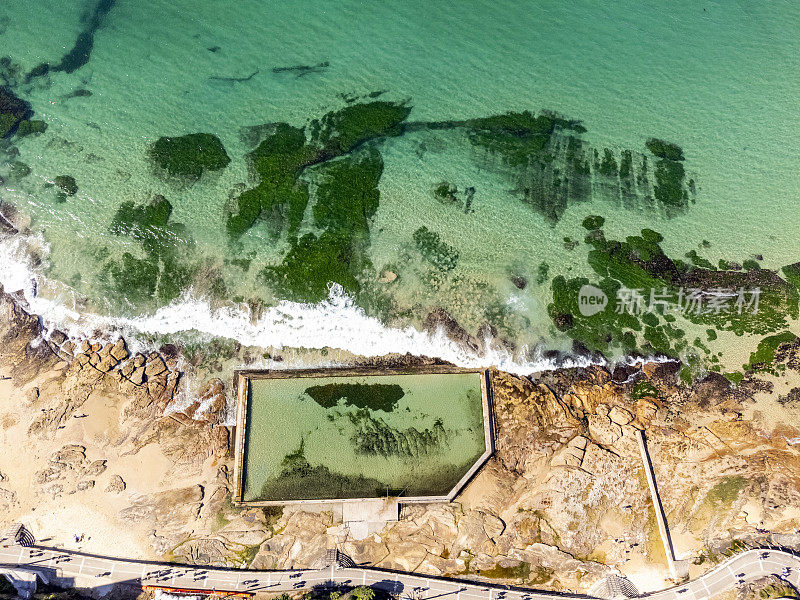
point(719, 79)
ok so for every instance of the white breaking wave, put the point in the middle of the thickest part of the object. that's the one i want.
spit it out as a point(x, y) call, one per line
point(334, 323)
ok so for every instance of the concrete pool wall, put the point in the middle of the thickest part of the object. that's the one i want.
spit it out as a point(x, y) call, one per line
point(242, 384)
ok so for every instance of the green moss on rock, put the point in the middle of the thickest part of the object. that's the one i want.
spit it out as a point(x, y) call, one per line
point(340, 132)
point(31, 127)
point(761, 359)
point(438, 253)
point(285, 154)
point(67, 184)
point(188, 156)
point(665, 150)
point(593, 222)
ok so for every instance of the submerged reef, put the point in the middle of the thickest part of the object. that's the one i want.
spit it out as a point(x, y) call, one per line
point(638, 319)
point(82, 50)
point(442, 256)
point(553, 168)
point(287, 152)
point(188, 156)
point(373, 436)
point(164, 269)
point(13, 111)
point(299, 479)
point(374, 396)
point(347, 198)
point(67, 184)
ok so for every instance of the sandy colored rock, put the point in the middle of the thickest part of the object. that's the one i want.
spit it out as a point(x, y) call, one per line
point(127, 369)
point(107, 363)
point(32, 395)
point(116, 485)
point(119, 350)
point(154, 365)
point(137, 377)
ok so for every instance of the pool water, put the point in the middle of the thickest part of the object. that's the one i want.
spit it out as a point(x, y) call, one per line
point(361, 436)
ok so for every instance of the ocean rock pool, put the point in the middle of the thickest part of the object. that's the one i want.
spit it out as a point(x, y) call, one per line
point(314, 436)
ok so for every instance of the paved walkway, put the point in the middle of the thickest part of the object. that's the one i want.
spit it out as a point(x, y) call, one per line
point(88, 570)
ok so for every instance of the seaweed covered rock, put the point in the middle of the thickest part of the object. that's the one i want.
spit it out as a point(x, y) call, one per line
point(639, 281)
point(286, 152)
point(340, 132)
point(67, 184)
point(438, 253)
point(13, 110)
point(669, 188)
point(166, 268)
point(347, 198)
point(31, 127)
point(188, 156)
point(665, 150)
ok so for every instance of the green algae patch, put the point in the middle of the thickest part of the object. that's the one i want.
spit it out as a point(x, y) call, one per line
point(347, 194)
point(593, 222)
point(669, 183)
point(699, 261)
point(638, 264)
point(188, 156)
point(288, 152)
point(792, 274)
point(625, 164)
point(438, 253)
point(166, 270)
point(761, 359)
point(609, 165)
point(67, 184)
point(340, 132)
point(734, 377)
point(665, 150)
point(346, 199)
point(311, 264)
point(722, 496)
point(644, 389)
point(31, 127)
point(375, 396)
point(13, 110)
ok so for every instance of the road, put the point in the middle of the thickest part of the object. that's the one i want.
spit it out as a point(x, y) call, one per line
point(90, 570)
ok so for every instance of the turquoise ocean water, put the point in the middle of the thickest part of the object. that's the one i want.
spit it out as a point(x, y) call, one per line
point(720, 79)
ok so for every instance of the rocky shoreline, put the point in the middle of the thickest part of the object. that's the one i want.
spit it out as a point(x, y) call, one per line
point(103, 446)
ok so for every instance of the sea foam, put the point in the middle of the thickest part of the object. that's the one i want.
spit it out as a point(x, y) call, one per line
point(336, 322)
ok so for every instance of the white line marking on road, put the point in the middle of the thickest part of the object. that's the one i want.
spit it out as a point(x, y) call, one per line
point(80, 569)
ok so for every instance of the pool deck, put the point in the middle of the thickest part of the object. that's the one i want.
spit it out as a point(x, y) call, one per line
point(242, 380)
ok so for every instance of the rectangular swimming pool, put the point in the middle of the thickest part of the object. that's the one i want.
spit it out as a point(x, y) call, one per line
point(315, 436)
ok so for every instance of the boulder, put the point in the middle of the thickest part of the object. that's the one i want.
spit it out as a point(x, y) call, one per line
point(155, 365)
point(119, 351)
point(137, 377)
point(107, 363)
point(127, 369)
point(32, 395)
point(116, 485)
point(620, 416)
